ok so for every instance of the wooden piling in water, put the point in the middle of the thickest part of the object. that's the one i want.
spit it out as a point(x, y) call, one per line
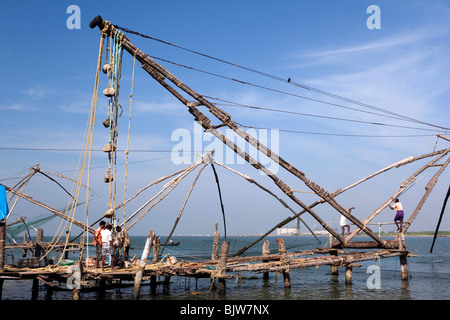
point(348, 275)
point(2, 244)
point(223, 266)
point(404, 267)
point(284, 262)
point(156, 249)
point(266, 252)
point(215, 250)
point(143, 262)
point(2, 252)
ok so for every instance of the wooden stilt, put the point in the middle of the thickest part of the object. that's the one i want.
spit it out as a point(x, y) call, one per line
point(166, 285)
point(2, 252)
point(348, 275)
point(2, 245)
point(143, 262)
point(266, 252)
point(284, 262)
point(77, 288)
point(153, 285)
point(223, 266)
point(215, 250)
point(156, 249)
point(1, 288)
point(334, 268)
point(404, 267)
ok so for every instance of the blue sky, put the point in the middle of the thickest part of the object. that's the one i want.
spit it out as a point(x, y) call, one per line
point(48, 75)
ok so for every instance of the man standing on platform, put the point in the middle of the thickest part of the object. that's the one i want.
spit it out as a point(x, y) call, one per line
point(107, 245)
point(98, 241)
point(399, 215)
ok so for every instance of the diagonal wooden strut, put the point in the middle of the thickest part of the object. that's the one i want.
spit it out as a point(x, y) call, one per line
point(159, 73)
point(403, 187)
point(55, 211)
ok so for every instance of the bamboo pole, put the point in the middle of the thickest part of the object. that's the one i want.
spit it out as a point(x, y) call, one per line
point(336, 193)
point(402, 188)
point(183, 206)
point(170, 186)
point(2, 245)
point(269, 192)
point(223, 266)
point(55, 211)
point(159, 73)
point(215, 249)
point(348, 275)
point(266, 252)
point(284, 262)
point(318, 261)
point(404, 267)
point(142, 263)
point(156, 246)
point(429, 187)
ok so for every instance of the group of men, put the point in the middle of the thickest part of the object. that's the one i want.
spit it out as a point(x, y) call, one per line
point(106, 243)
point(398, 219)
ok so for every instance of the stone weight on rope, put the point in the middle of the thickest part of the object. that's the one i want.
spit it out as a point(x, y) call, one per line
point(109, 147)
point(108, 122)
point(109, 213)
point(109, 92)
point(106, 68)
point(108, 177)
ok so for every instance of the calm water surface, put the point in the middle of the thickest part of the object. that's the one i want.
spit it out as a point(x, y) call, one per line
point(429, 276)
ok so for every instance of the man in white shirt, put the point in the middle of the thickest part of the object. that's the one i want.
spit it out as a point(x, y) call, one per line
point(107, 245)
point(344, 223)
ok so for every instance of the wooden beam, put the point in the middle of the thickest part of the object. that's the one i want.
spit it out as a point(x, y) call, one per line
point(429, 187)
point(55, 211)
point(403, 187)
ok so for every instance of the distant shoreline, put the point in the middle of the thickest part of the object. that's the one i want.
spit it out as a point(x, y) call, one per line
point(386, 234)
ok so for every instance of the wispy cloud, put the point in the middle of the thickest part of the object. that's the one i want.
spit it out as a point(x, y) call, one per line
point(398, 40)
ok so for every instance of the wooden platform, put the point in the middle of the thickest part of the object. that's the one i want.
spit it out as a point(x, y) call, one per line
point(56, 277)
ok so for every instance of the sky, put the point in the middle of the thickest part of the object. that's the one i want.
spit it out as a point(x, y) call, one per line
point(392, 61)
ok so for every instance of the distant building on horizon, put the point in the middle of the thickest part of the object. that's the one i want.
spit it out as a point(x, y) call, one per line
point(286, 231)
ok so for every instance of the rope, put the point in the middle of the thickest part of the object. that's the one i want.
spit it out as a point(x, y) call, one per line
point(288, 81)
point(83, 156)
point(128, 140)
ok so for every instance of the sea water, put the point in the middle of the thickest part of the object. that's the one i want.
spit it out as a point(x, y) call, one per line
point(429, 275)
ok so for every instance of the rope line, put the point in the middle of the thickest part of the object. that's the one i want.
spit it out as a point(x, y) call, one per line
point(284, 80)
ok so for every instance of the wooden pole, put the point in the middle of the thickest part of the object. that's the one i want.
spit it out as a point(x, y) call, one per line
point(158, 72)
point(2, 252)
point(334, 267)
point(55, 211)
point(284, 262)
point(404, 267)
point(156, 249)
point(429, 187)
point(166, 285)
point(223, 266)
point(403, 186)
point(77, 288)
point(348, 275)
point(215, 249)
point(266, 252)
point(37, 254)
point(2, 244)
point(143, 262)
